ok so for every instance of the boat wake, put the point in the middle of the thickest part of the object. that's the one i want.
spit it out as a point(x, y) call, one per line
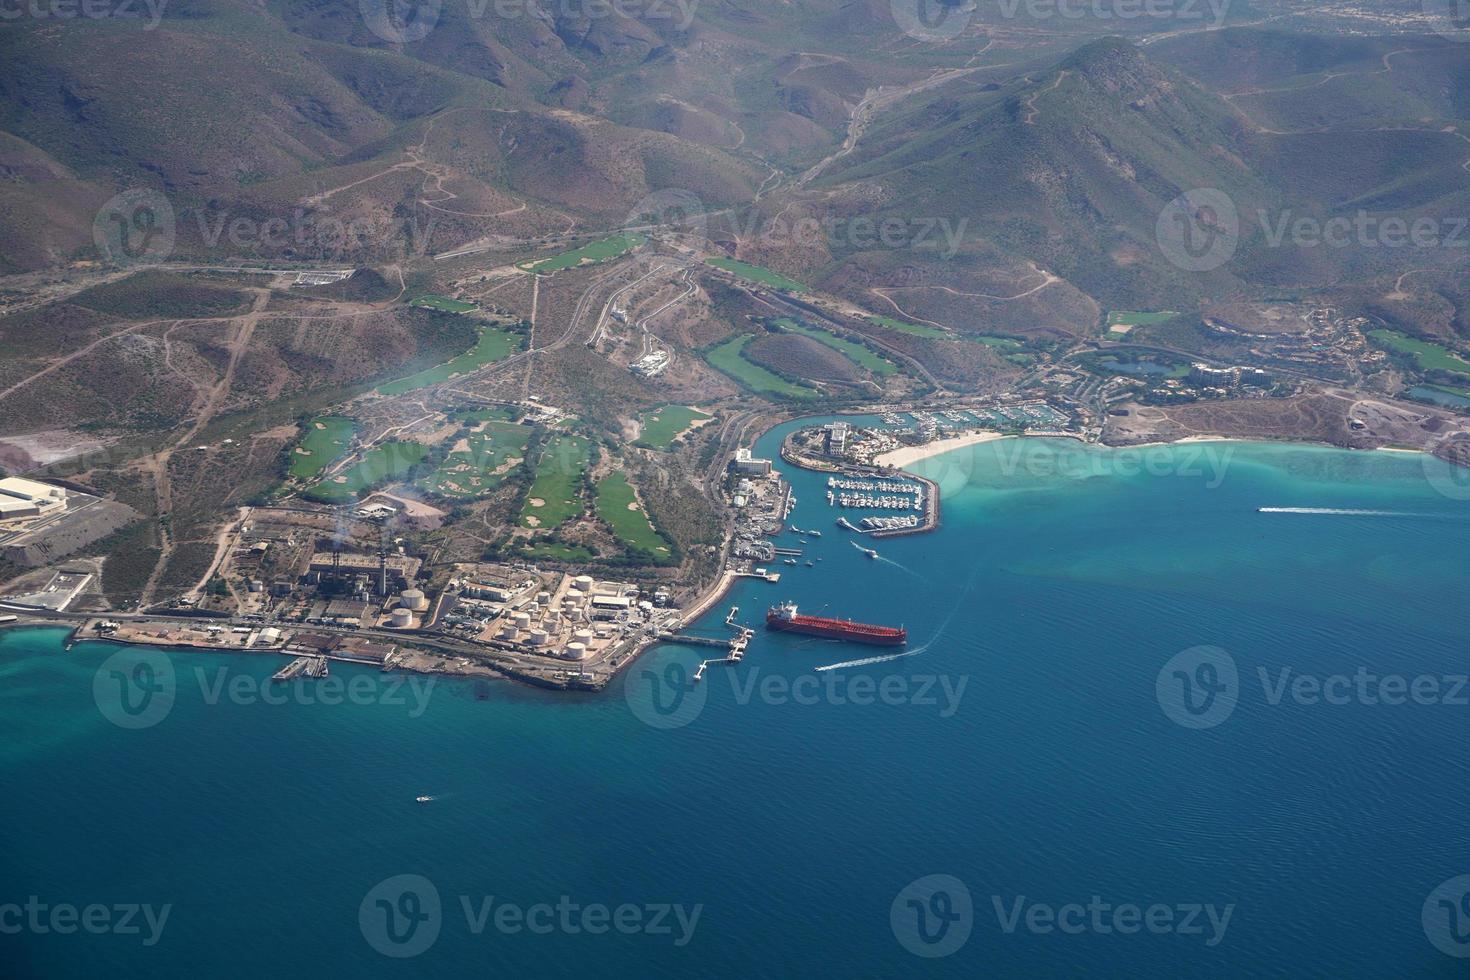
point(964, 594)
point(901, 567)
point(1337, 511)
point(874, 660)
point(887, 561)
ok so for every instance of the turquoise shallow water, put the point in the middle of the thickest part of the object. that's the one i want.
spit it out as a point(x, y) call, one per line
point(1024, 752)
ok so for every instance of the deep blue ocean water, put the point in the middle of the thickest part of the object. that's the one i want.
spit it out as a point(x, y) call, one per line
point(1028, 752)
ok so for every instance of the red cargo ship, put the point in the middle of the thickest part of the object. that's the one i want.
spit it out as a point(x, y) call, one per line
point(784, 617)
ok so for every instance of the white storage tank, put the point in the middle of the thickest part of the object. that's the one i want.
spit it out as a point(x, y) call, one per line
point(539, 638)
point(543, 598)
point(583, 637)
point(576, 651)
point(583, 582)
point(521, 619)
point(414, 600)
point(508, 633)
point(401, 618)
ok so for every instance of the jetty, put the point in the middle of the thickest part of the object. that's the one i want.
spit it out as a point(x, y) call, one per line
point(308, 666)
point(735, 646)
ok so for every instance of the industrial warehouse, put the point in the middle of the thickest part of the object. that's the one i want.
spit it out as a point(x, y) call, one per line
point(42, 522)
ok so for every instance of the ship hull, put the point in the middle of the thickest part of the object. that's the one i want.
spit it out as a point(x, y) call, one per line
point(852, 633)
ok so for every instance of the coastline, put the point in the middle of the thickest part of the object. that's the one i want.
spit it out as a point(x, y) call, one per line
point(443, 662)
point(908, 455)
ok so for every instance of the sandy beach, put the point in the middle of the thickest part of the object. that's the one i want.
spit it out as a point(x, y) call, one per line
point(912, 454)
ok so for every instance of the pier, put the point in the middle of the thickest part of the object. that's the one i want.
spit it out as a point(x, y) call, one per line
point(309, 666)
point(735, 645)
